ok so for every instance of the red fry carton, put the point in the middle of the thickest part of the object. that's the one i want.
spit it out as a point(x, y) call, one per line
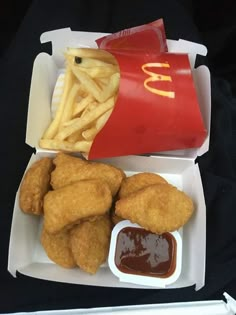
point(157, 107)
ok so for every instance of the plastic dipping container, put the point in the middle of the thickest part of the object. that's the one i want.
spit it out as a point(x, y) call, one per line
point(142, 257)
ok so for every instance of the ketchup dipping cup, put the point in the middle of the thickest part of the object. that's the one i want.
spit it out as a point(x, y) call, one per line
point(142, 257)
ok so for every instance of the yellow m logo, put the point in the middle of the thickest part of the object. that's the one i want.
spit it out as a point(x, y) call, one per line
point(153, 77)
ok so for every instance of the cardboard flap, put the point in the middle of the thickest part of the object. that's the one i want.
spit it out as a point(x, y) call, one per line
point(203, 84)
point(22, 226)
point(196, 233)
point(44, 75)
point(218, 307)
point(64, 37)
point(184, 46)
point(23, 234)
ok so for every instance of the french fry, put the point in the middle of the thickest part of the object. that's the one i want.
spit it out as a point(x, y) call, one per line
point(70, 122)
point(53, 144)
point(112, 86)
point(68, 108)
point(79, 107)
point(101, 95)
point(102, 82)
point(91, 82)
point(81, 123)
point(90, 62)
point(90, 134)
point(100, 72)
point(81, 91)
point(53, 127)
point(101, 121)
point(57, 94)
point(75, 137)
point(89, 108)
point(92, 53)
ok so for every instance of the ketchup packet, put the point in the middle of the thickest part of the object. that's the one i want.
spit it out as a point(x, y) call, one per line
point(157, 107)
point(152, 37)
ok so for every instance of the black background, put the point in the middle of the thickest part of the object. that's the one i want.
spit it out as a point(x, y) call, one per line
point(209, 22)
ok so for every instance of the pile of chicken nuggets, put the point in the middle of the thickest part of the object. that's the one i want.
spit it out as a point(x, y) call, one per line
point(81, 201)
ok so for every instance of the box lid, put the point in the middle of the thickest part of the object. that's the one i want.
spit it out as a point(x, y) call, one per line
point(218, 307)
point(63, 38)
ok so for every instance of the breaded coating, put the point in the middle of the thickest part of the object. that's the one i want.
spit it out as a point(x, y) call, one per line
point(134, 183)
point(70, 169)
point(138, 181)
point(90, 243)
point(68, 205)
point(158, 208)
point(35, 185)
point(57, 247)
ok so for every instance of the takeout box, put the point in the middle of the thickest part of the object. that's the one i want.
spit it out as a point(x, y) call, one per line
point(26, 254)
point(156, 108)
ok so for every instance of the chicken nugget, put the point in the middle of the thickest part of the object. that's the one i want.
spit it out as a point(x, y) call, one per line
point(57, 247)
point(90, 243)
point(138, 181)
point(81, 200)
point(158, 208)
point(134, 183)
point(70, 169)
point(35, 185)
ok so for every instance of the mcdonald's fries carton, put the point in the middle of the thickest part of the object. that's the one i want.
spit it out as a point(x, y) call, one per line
point(130, 95)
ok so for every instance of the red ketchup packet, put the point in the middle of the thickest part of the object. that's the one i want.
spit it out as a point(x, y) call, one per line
point(157, 107)
point(140, 38)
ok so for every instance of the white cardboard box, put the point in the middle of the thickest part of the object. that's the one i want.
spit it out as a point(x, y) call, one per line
point(218, 307)
point(26, 254)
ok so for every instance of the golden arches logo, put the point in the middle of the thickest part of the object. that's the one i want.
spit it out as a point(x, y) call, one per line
point(154, 77)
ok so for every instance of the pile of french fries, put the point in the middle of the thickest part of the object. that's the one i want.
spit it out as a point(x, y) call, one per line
point(90, 89)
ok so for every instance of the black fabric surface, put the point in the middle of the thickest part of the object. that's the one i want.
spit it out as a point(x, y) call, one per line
point(217, 167)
